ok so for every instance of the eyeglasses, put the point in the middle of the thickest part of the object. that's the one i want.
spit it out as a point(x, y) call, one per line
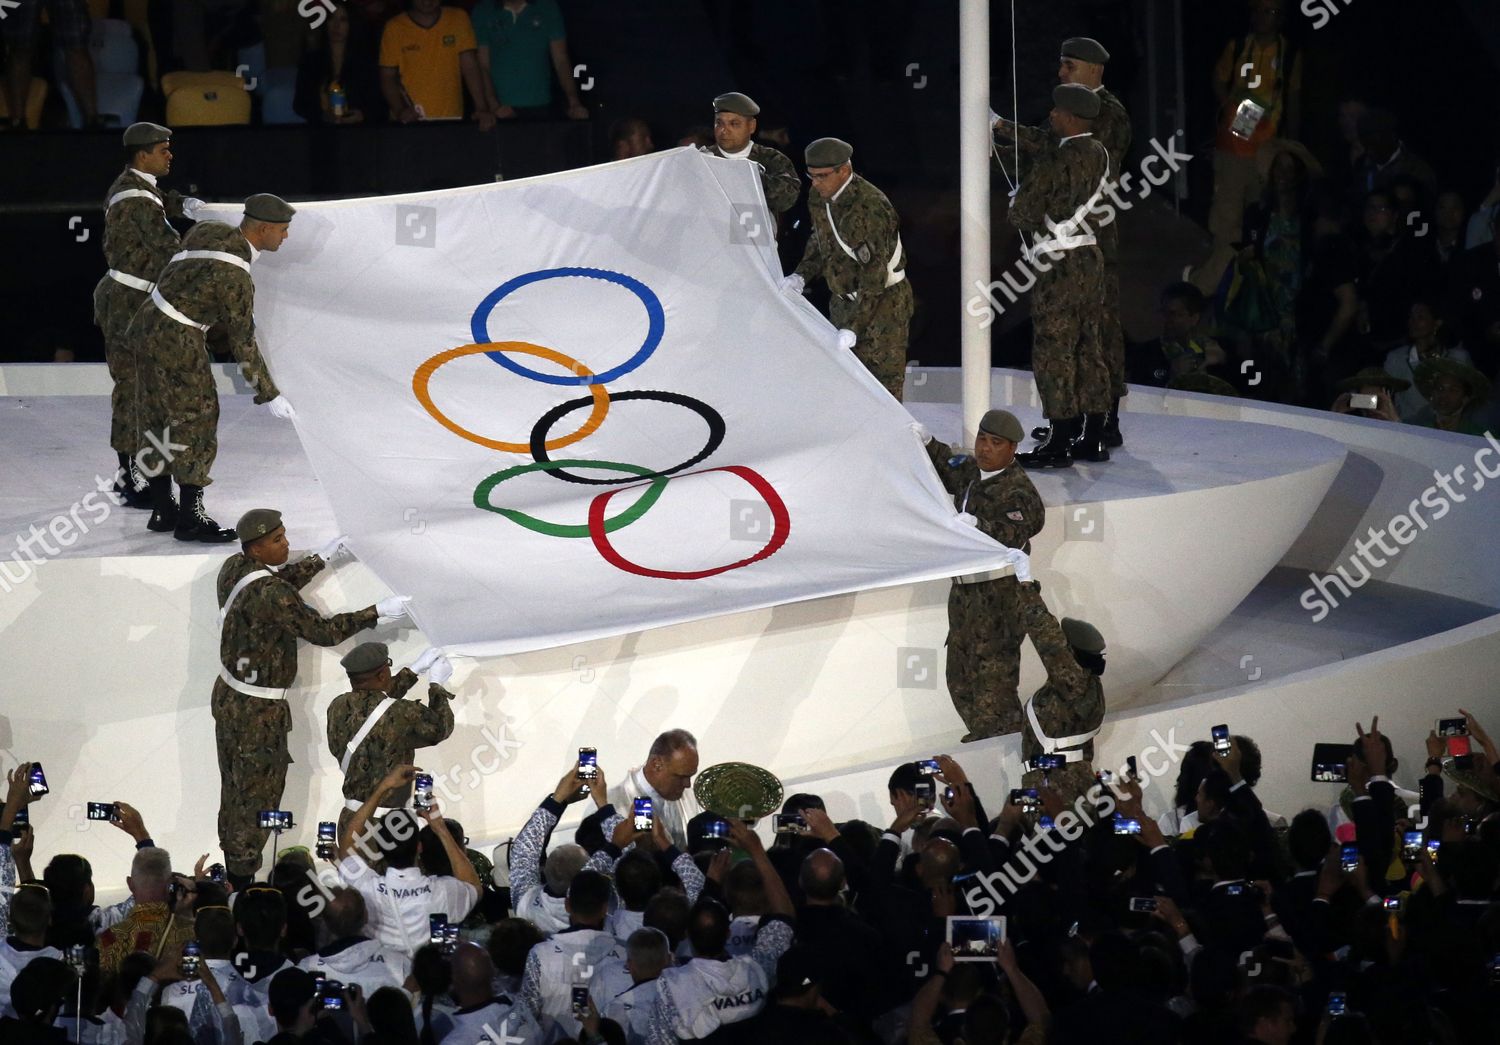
point(822, 175)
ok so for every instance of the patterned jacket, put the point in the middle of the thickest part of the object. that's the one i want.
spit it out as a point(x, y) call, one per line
point(138, 239)
point(1007, 505)
point(393, 741)
point(1071, 702)
point(777, 175)
point(1060, 185)
point(862, 220)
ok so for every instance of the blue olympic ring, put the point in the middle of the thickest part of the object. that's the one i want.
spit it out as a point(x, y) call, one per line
point(479, 324)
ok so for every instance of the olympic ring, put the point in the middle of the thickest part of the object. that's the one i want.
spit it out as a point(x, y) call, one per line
point(712, 417)
point(530, 522)
point(655, 317)
point(597, 392)
point(781, 518)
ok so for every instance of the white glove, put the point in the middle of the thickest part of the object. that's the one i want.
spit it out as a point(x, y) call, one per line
point(921, 432)
point(994, 118)
point(1021, 561)
point(425, 660)
point(847, 339)
point(793, 284)
point(442, 671)
point(337, 548)
point(279, 407)
point(190, 205)
point(392, 609)
point(968, 518)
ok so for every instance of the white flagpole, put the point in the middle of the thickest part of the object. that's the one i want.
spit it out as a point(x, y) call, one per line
point(975, 142)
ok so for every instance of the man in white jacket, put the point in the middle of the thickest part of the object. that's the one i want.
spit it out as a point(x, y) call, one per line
point(352, 957)
point(554, 967)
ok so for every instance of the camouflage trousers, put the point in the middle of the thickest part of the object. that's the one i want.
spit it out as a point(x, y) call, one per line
point(114, 306)
point(1112, 331)
point(251, 736)
point(984, 655)
point(1071, 781)
point(1067, 354)
point(881, 327)
point(179, 401)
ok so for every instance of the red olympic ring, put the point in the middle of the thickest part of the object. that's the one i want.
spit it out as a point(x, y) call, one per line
point(781, 519)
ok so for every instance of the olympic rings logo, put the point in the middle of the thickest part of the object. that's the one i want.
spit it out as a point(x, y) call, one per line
point(541, 443)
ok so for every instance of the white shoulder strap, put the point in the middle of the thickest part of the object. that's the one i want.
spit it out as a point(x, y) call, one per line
point(135, 194)
point(210, 255)
point(364, 731)
point(1052, 745)
point(243, 583)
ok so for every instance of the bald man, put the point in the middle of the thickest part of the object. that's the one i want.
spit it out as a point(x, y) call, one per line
point(484, 1016)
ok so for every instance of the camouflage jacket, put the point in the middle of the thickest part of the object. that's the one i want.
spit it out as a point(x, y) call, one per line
point(1007, 506)
point(1072, 700)
point(258, 643)
point(138, 239)
point(394, 740)
point(220, 294)
point(777, 175)
point(1112, 128)
point(862, 217)
point(1060, 185)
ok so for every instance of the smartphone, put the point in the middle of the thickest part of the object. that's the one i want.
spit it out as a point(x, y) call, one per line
point(718, 827)
point(450, 939)
point(77, 956)
point(421, 795)
point(38, 782)
point(1411, 845)
point(1452, 727)
point(1336, 998)
point(1432, 849)
point(928, 766)
point(276, 819)
point(1349, 858)
point(948, 795)
point(328, 836)
point(1221, 740)
point(437, 929)
point(790, 824)
point(1329, 763)
point(1362, 402)
point(1427, 793)
point(1044, 823)
point(216, 873)
point(975, 939)
point(332, 993)
point(1047, 763)
point(1027, 798)
point(1131, 763)
point(642, 809)
point(190, 960)
point(1127, 825)
point(23, 818)
point(926, 792)
point(580, 1002)
point(588, 766)
point(103, 811)
point(1234, 889)
point(1105, 777)
point(1391, 903)
point(1143, 904)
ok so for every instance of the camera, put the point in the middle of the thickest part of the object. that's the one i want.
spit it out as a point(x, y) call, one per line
point(1143, 904)
point(580, 1002)
point(190, 960)
point(421, 797)
point(275, 819)
point(103, 811)
point(1349, 858)
point(790, 824)
point(1127, 825)
point(38, 781)
point(927, 766)
point(641, 810)
point(1047, 763)
point(327, 839)
point(1221, 740)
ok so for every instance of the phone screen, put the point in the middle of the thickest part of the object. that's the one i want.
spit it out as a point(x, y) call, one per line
point(1452, 727)
point(1221, 739)
point(38, 782)
point(437, 928)
point(101, 811)
point(790, 824)
point(641, 810)
point(588, 763)
point(1127, 826)
point(580, 1002)
point(926, 793)
point(1336, 1003)
point(1349, 858)
point(1411, 845)
point(928, 767)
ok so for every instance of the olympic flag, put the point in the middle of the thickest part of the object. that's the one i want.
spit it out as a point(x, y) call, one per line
point(579, 406)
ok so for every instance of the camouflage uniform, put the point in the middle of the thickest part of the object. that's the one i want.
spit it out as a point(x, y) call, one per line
point(258, 649)
point(859, 278)
point(984, 618)
point(175, 376)
point(138, 241)
point(1067, 356)
point(1070, 703)
point(777, 175)
point(392, 742)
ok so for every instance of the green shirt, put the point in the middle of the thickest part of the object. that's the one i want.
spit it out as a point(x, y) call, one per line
point(520, 49)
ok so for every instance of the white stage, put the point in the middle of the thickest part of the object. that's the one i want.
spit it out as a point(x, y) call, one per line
point(1191, 551)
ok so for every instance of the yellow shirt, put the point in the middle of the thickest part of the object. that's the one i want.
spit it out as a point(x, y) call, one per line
point(1261, 65)
point(428, 60)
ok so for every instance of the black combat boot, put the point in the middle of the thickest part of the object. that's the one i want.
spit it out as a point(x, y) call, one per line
point(1056, 451)
point(193, 523)
point(1041, 432)
point(130, 484)
point(1112, 436)
point(163, 506)
point(1089, 446)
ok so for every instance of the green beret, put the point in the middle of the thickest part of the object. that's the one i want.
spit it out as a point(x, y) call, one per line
point(737, 103)
point(1076, 99)
point(265, 207)
point(828, 152)
point(1376, 377)
point(1082, 635)
point(1429, 370)
point(1084, 49)
point(1002, 423)
point(142, 135)
point(1199, 381)
point(256, 523)
point(367, 656)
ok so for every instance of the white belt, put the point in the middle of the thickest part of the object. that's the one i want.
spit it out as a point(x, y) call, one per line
point(210, 255)
point(135, 194)
point(264, 692)
point(1065, 235)
point(1068, 747)
point(169, 310)
point(892, 276)
point(133, 282)
point(999, 573)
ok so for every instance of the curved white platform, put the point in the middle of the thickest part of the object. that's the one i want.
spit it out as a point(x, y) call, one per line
point(117, 641)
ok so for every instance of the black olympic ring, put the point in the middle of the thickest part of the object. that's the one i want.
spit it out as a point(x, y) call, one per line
point(544, 425)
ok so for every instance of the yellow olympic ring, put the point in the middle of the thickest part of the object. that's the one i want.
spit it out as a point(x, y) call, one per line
point(423, 375)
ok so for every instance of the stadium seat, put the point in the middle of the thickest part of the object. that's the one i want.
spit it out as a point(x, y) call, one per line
point(112, 42)
point(208, 104)
point(118, 96)
point(252, 66)
point(212, 81)
point(36, 97)
point(278, 90)
point(135, 13)
point(117, 67)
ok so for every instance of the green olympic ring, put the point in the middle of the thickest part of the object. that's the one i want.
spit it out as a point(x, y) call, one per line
point(625, 518)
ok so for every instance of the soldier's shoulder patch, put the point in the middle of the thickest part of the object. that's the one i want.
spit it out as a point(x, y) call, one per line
point(957, 460)
point(864, 253)
point(1015, 516)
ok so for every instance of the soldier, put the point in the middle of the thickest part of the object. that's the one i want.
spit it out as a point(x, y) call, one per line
point(1053, 202)
point(1064, 715)
point(371, 730)
point(856, 248)
point(261, 617)
point(984, 614)
point(138, 241)
point(734, 127)
point(205, 284)
point(1082, 62)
